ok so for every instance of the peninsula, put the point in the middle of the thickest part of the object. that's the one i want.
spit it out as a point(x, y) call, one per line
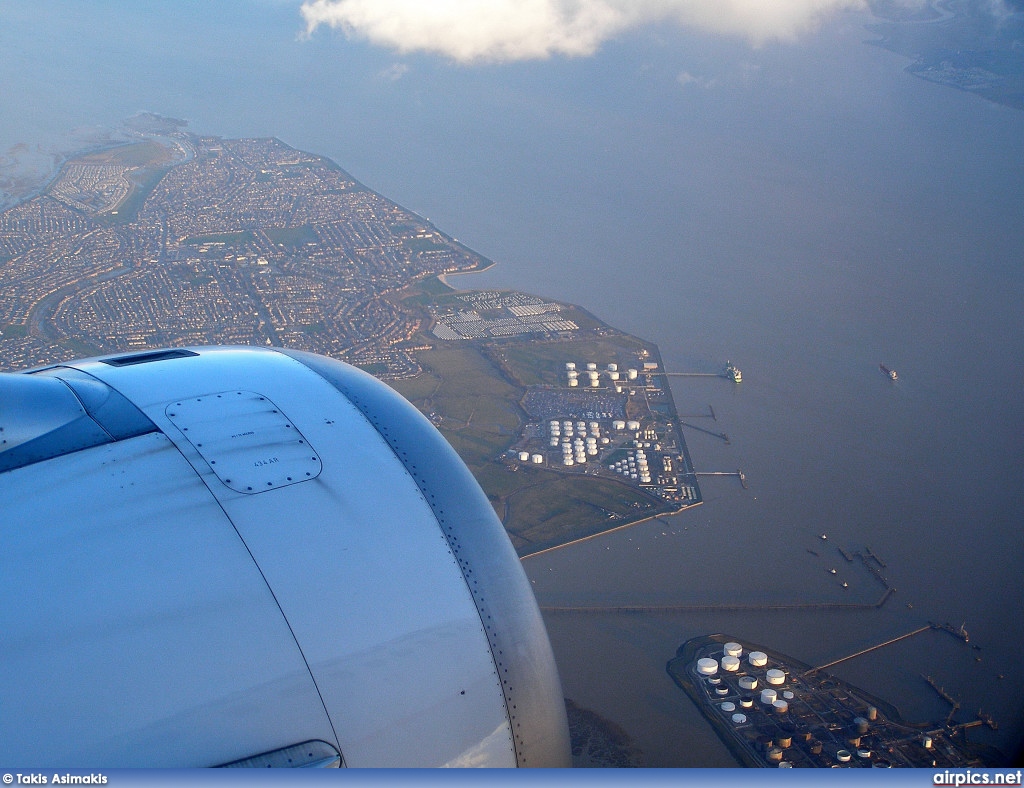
point(168, 238)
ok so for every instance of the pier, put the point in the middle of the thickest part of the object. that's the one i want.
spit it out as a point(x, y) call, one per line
point(720, 435)
point(953, 702)
point(737, 473)
point(868, 650)
point(729, 607)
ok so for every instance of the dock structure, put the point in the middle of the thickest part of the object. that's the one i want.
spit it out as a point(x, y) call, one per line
point(720, 435)
point(724, 607)
point(954, 704)
point(868, 650)
point(737, 473)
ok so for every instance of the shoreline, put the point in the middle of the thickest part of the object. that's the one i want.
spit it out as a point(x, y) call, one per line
point(443, 278)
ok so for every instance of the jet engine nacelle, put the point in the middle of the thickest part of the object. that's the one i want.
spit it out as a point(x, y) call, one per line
point(245, 556)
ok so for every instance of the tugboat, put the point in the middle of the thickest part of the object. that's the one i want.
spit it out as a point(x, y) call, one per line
point(733, 372)
point(890, 373)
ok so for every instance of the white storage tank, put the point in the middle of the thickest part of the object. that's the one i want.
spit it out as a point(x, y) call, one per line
point(731, 664)
point(613, 367)
point(748, 682)
point(775, 676)
point(554, 440)
point(768, 696)
point(570, 365)
point(591, 367)
point(538, 459)
point(524, 455)
point(739, 719)
point(731, 648)
point(707, 666)
point(632, 425)
point(613, 375)
point(780, 706)
point(567, 460)
point(757, 658)
point(631, 374)
point(618, 425)
point(728, 707)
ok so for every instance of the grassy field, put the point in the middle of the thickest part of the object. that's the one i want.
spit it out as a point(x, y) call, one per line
point(473, 393)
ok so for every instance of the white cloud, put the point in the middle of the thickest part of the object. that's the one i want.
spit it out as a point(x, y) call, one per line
point(504, 30)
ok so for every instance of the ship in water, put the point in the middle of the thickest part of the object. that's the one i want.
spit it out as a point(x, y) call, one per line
point(732, 371)
point(890, 373)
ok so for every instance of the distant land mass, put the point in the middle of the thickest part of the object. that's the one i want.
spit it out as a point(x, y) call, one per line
point(974, 47)
point(157, 237)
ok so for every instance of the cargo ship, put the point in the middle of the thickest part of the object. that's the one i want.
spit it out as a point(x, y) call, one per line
point(890, 373)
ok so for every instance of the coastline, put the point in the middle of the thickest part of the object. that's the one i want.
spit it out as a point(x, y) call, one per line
point(443, 278)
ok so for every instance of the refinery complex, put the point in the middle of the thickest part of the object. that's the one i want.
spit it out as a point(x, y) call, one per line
point(772, 711)
point(611, 419)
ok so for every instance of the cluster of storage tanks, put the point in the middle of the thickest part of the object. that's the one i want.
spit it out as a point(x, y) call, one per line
point(774, 698)
point(593, 376)
point(634, 466)
point(771, 697)
point(579, 440)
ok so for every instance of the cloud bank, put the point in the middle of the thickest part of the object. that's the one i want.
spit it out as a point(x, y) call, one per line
point(470, 31)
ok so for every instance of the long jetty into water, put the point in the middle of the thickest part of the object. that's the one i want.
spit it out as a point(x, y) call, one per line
point(737, 473)
point(869, 649)
point(721, 435)
point(718, 607)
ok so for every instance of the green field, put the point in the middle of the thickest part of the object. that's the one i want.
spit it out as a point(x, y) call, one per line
point(292, 236)
point(473, 391)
